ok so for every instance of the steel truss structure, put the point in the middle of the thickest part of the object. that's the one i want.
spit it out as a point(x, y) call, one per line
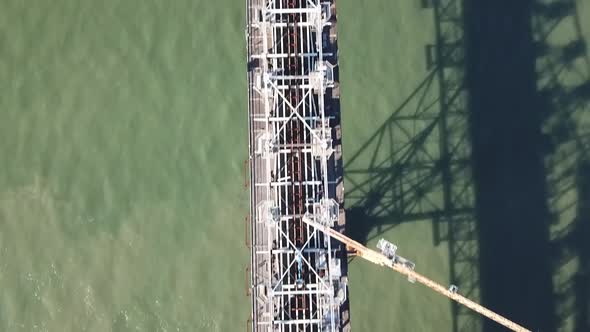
point(297, 282)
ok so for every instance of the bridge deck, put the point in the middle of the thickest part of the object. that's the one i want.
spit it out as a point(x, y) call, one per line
point(298, 276)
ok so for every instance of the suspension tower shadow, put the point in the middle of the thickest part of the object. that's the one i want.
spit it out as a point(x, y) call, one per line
point(527, 78)
point(502, 175)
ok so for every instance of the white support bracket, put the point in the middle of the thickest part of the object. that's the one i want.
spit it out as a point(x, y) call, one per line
point(327, 212)
point(268, 213)
point(266, 146)
point(322, 144)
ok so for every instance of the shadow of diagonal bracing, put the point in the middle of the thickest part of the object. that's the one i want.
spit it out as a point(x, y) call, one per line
point(416, 166)
point(563, 88)
point(503, 175)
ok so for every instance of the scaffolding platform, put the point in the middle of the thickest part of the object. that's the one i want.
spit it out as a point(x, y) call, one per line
point(298, 276)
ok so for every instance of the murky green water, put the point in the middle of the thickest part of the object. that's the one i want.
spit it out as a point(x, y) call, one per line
point(121, 190)
point(382, 63)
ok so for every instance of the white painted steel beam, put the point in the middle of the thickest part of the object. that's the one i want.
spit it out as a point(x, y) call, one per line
point(287, 101)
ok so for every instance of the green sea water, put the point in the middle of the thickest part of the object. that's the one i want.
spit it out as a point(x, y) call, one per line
point(382, 62)
point(123, 136)
point(123, 128)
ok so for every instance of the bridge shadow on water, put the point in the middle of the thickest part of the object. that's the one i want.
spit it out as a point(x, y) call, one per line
point(493, 148)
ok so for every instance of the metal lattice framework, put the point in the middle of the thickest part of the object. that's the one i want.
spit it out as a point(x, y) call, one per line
point(296, 272)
